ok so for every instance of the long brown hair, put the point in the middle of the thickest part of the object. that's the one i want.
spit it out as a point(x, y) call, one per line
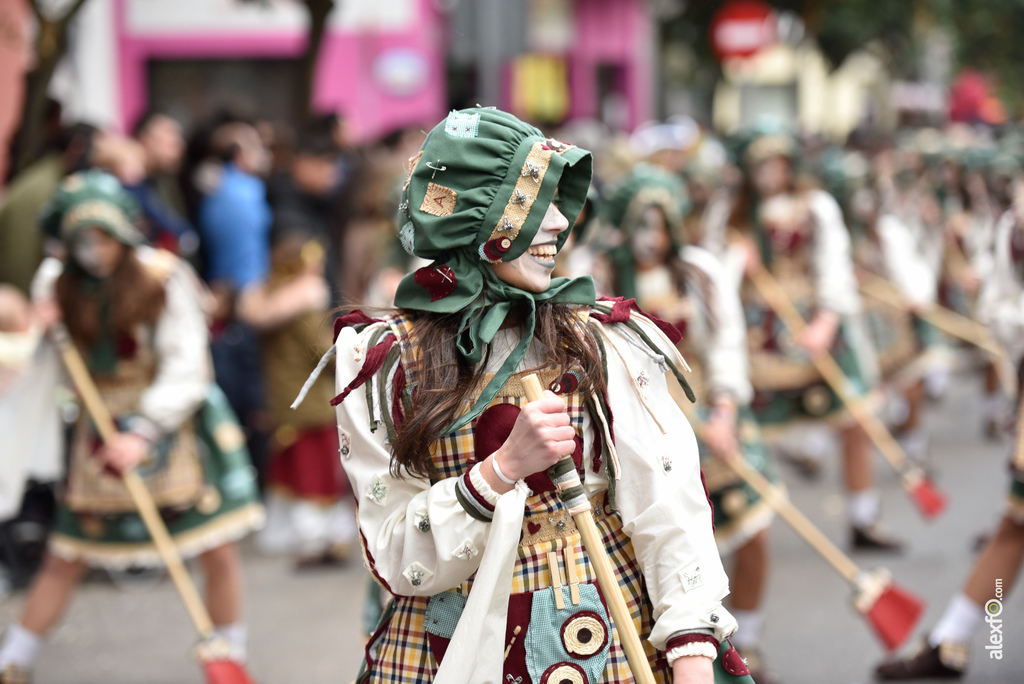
point(446, 382)
point(135, 297)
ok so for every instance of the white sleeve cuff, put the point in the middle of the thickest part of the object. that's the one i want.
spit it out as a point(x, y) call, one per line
point(696, 648)
point(481, 485)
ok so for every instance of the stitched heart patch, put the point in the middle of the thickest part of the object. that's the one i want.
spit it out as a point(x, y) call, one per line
point(439, 281)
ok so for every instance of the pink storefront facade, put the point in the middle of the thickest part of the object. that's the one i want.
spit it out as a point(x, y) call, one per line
point(380, 74)
point(345, 80)
point(613, 34)
point(617, 33)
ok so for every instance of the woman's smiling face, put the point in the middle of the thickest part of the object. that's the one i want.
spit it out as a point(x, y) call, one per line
point(532, 270)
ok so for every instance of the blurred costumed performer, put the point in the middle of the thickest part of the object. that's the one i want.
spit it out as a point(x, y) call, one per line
point(307, 513)
point(944, 652)
point(799, 237)
point(450, 470)
point(908, 348)
point(136, 316)
point(687, 287)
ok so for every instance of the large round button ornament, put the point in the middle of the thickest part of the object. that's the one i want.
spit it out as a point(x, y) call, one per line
point(584, 634)
point(564, 673)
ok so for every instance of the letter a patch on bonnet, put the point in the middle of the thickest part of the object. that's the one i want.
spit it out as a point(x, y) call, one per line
point(439, 200)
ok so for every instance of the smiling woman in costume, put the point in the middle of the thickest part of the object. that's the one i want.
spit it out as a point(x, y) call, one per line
point(458, 516)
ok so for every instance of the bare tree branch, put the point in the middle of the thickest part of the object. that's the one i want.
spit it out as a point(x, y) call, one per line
point(70, 14)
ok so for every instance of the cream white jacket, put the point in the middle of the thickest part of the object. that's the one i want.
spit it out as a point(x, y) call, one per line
point(180, 340)
point(723, 344)
point(909, 263)
point(1001, 302)
point(661, 500)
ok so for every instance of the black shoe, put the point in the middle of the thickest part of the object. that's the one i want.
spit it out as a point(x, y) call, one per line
point(945, 661)
point(874, 538)
point(807, 467)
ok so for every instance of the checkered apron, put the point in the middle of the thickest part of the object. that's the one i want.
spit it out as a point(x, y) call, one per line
point(400, 650)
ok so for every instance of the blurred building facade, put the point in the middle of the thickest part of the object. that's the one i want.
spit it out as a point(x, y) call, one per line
point(381, 64)
point(795, 84)
point(548, 60)
point(385, 65)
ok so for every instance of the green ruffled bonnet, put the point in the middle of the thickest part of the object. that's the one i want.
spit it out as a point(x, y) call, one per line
point(476, 195)
point(646, 186)
point(92, 198)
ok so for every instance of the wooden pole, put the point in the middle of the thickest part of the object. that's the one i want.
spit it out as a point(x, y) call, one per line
point(948, 321)
point(594, 546)
point(136, 487)
point(781, 504)
point(837, 380)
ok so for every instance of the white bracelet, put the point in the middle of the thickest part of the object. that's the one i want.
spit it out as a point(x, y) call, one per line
point(497, 470)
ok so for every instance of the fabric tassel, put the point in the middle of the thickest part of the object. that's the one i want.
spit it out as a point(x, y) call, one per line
point(620, 312)
point(385, 380)
point(375, 357)
point(314, 376)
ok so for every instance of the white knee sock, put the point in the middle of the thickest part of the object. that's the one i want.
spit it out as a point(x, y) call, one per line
point(748, 634)
point(20, 648)
point(936, 381)
point(897, 408)
point(236, 636)
point(915, 444)
point(993, 406)
point(863, 507)
point(958, 623)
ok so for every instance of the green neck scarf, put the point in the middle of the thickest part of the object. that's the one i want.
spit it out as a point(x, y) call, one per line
point(486, 302)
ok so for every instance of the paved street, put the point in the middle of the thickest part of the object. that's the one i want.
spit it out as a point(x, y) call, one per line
point(306, 628)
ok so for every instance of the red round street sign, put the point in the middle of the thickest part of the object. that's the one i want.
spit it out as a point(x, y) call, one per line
point(742, 27)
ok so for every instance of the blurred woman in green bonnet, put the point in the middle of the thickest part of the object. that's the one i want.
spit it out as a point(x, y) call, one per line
point(449, 463)
point(136, 315)
point(798, 235)
point(686, 285)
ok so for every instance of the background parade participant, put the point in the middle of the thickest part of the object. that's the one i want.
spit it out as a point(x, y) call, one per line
point(798, 235)
point(907, 347)
point(688, 288)
point(307, 512)
point(944, 652)
point(136, 315)
point(490, 199)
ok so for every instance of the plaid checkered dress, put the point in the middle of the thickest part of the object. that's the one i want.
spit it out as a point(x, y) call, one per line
point(400, 650)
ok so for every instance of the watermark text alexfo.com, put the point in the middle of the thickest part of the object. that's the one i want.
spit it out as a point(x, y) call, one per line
point(993, 611)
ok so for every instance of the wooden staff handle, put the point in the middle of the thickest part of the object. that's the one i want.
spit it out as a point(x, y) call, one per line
point(781, 504)
point(948, 321)
point(836, 379)
point(136, 487)
point(797, 520)
point(606, 578)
